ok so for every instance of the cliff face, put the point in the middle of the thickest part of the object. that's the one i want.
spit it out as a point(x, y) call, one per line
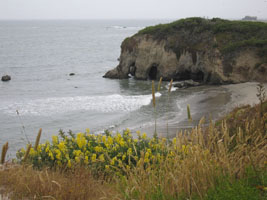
point(211, 51)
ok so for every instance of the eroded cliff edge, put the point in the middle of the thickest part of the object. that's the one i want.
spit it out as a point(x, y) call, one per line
point(212, 51)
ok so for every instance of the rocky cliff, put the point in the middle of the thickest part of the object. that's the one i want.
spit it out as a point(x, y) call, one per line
point(212, 51)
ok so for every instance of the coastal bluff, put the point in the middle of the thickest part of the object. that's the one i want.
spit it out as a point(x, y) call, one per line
point(211, 51)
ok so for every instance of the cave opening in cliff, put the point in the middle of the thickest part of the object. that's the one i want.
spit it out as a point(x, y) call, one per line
point(199, 76)
point(187, 75)
point(152, 75)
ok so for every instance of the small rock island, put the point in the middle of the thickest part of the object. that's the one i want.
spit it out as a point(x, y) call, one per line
point(210, 51)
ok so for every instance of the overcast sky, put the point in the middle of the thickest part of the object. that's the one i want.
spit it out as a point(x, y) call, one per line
point(130, 9)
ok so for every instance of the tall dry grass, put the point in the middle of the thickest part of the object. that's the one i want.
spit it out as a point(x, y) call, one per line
point(3, 154)
point(23, 182)
point(209, 153)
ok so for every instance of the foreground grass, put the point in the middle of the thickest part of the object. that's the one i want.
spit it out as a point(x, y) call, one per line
point(22, 181)
point(226, 160)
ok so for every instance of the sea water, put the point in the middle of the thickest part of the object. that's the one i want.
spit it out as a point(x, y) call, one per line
point(40, 55)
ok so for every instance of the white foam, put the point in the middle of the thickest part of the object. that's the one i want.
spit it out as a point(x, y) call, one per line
point(59, 105)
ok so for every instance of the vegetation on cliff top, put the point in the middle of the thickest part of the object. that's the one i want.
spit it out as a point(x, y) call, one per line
point(230, 35)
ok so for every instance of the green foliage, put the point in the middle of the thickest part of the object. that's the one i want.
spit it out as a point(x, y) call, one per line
point(245, 188)
point(194, 33)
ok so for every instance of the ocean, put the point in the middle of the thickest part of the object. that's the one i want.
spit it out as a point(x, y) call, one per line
point(40, 55)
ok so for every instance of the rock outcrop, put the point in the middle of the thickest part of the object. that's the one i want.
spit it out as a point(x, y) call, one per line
point(6, 78)
point(209, 51)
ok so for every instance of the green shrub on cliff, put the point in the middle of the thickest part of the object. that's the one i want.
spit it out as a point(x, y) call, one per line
point(197, 33)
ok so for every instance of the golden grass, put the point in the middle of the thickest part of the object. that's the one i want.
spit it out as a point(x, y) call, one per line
point(37, 139)
point(27, 152)
point(209, 153)
point(3, 154)
point(159, 84)
point(153, 94)
point(170, 86)
point(23, 182)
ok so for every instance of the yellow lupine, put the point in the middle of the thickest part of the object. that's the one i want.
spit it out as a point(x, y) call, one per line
point(62, 146)
point(104, 138)
point(93, 158)
point(101, 157)
point(174, 141)
point(107, 167)
point(58, 154)
point(50, 154)
point(144, 136)
point(81, 140)
point(129, 151)
point(110, 140)
point(32, 152)
point(98, 149)
point(54, 140)
point(86, 160)
point(69, 164)
point(77, 159)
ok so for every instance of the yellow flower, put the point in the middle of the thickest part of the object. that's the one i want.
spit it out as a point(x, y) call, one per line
point(77, 159)
point(101, 157)
point(146, 160)
point(98, 149)
point(81, 140)
point(129, 151)
point(144, 136)
point(62, 146)
point(110, 140)
point(32, 152)
point(22, 150)
point(86, 160)
point(107, 166)
point(77, 152)
point(93, 158)
point(69, 164)
point(184, 149)
point(122, 143)
point(58, 154)
point(87, 130)
point(174, 141)
point(112, 162)
point(138, 133)
point(54, 140)
point(147, 155)
point(123, 157)
point(104, 139)
point(50, 154)
point(149, 151)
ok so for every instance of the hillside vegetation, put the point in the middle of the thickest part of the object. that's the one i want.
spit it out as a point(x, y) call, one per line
point(230, 35)
point(226, 160)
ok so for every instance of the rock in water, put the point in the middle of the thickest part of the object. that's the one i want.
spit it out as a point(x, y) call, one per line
point(212, 51)
point(72, 74)
point(6, 78)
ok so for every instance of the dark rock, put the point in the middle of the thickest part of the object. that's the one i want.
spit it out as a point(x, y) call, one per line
point(72, 74)
point(6, 78)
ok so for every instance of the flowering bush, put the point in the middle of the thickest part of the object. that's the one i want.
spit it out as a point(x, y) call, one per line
point(102, 152)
